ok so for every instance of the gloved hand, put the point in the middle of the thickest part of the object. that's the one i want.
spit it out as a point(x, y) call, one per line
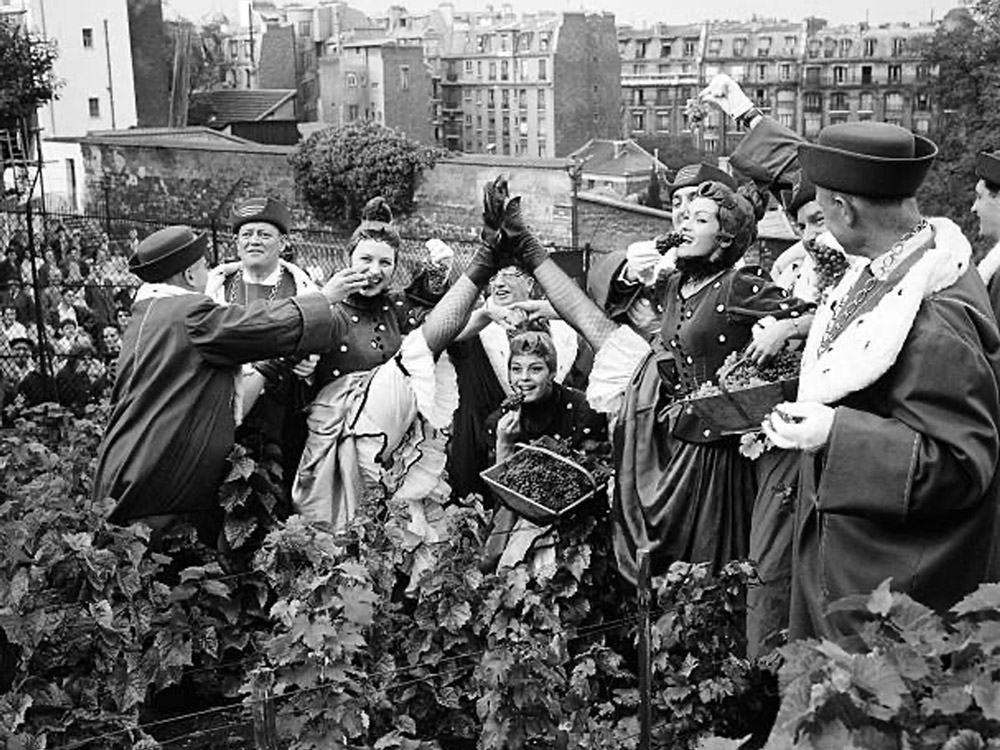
point(491, 256)
point(725, 93)
point(641, 259)
point(802, 425)
point(506, 226)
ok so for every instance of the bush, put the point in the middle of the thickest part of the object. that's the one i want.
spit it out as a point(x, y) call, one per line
point(338, 169)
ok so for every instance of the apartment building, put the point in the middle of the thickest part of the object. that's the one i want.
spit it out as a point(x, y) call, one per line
point(535, 86)
point(661, 70)
point(114, 77)
point(804, 74)
point(378, 80)
point(866, 73)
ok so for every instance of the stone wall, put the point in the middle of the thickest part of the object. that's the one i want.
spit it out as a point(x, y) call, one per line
point(187, 182)
point(451, 194)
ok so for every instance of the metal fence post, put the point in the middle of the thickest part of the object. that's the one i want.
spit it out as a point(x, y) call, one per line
point(645, 657)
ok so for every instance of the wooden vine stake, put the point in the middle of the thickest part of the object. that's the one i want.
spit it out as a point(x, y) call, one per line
point(265, 726)
point(645, 658)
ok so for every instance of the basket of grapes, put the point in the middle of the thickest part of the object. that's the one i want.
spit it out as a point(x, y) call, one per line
point(746, 392)
point(540, 484)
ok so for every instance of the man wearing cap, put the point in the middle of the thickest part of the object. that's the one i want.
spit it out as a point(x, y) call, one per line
point(987, 208)
point(173, 420)
point(274, 393)
point(898, 410)
point(622, 283)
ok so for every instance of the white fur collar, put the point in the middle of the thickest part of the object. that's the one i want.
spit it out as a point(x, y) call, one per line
point(215, 288)
point(990, 263)
point(869, 345)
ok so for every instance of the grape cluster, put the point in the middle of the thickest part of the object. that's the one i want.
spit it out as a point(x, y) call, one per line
point(548, 481)
point(436, 275)
point(667, 241)
point(512, 402)
point(831, 264)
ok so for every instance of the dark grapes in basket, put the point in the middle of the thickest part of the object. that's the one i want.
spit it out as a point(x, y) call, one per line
point(546, 480)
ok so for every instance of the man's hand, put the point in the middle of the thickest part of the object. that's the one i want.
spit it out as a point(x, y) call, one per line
point(803, 426)
point(439, 253)
point(343, 283)
point(641, 259)
point(726, 94)
point(536, 309)
point(507, 318)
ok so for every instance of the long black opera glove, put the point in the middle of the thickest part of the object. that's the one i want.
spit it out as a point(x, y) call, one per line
point(449, 316)
point(573, 304)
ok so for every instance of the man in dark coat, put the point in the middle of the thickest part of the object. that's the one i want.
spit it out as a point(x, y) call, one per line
point(164, 451)
point(898, 411)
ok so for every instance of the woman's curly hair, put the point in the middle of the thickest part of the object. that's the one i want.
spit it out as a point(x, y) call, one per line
point(376, 224)
point(537, 343)
point(739, 212)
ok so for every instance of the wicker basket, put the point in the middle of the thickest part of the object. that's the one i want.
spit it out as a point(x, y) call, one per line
point(733, 412)
point(534, 510)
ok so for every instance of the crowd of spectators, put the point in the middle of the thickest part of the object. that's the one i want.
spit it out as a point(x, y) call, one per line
point(84, 295)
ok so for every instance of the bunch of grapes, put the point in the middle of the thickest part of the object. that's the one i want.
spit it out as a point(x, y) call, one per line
point(831, 264)
point(512, 402)
point(667, 241)
point(544, 479)
point(436, 275)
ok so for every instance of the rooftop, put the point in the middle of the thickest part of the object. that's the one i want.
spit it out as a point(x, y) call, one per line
point(220, 107)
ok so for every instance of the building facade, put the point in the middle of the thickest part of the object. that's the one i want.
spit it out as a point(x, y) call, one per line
point(804, 74)
point(377, 80)
point(537, 86)
point(114, 77)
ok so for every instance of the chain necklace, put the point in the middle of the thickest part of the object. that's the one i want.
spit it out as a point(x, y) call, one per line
point(239, 280)
point(862, 288)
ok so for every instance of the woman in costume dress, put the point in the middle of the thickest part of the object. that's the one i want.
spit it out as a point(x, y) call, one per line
point(682, 490)
point(385, 390)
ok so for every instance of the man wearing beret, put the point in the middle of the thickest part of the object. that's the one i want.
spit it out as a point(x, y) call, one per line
point(274, 392)
point(987, 208)
point(898, 410)
point(175, 397)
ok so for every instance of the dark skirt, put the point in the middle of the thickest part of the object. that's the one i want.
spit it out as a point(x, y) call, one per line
point(681, 500)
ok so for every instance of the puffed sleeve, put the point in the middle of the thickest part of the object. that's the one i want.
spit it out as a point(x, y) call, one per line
point(232, 335)
point(753, 294)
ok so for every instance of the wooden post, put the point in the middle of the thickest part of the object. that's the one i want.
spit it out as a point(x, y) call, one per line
point(645, 658)
point(265, 728)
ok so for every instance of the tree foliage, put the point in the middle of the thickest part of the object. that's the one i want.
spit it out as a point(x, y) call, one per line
point(966, 52)
point(26, 77)
point(338, 169)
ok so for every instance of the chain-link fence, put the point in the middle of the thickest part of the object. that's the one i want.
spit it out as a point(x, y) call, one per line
point(66, 293)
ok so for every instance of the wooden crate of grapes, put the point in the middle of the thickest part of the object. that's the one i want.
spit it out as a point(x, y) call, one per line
point(745, 392)
point(540, 484)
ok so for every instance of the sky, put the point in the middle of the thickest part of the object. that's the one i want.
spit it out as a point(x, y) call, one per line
point(639, 11)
